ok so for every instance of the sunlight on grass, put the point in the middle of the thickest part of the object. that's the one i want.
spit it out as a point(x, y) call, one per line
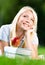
point(20, 61)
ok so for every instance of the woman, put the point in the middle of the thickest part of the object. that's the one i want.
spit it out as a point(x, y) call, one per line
point(22, 32)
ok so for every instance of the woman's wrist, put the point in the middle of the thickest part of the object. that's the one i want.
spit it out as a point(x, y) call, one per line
point(28, 33)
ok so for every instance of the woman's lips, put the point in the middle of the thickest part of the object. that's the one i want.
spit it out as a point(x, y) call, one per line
point(27, 25)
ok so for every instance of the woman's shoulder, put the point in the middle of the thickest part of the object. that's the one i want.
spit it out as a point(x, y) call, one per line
point(5, 32)
point(5, 26)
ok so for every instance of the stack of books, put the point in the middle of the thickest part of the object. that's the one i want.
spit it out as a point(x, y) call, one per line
point(11, 52)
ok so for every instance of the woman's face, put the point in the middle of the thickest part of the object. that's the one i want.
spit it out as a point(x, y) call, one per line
point(26, 20)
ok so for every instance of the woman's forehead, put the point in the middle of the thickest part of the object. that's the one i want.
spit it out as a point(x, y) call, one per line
point(27, 12)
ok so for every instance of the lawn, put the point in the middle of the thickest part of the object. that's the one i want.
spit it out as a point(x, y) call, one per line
point(41, 50)
point(22, 60)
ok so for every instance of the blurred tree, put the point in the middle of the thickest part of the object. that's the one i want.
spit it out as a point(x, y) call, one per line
point(8, 9)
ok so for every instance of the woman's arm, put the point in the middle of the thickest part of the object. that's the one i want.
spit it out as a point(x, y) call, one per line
point(4, 36)
point(29, 44)
point(2, 45)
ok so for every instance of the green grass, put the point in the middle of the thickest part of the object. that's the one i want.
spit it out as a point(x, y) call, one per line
point(22, 60)
point(41, 50)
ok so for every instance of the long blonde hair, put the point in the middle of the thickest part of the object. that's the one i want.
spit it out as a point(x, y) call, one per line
point(13, 24)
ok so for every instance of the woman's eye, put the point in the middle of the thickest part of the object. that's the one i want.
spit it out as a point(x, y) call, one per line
point(24, 16)
point(32, 20)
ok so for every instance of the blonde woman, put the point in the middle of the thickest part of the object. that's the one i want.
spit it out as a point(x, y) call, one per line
point(22, 32)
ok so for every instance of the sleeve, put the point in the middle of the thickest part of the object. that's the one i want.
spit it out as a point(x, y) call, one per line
point(35, 39)
point(4, 33)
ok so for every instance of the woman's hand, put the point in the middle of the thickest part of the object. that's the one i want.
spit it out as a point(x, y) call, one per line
point(29, 44)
